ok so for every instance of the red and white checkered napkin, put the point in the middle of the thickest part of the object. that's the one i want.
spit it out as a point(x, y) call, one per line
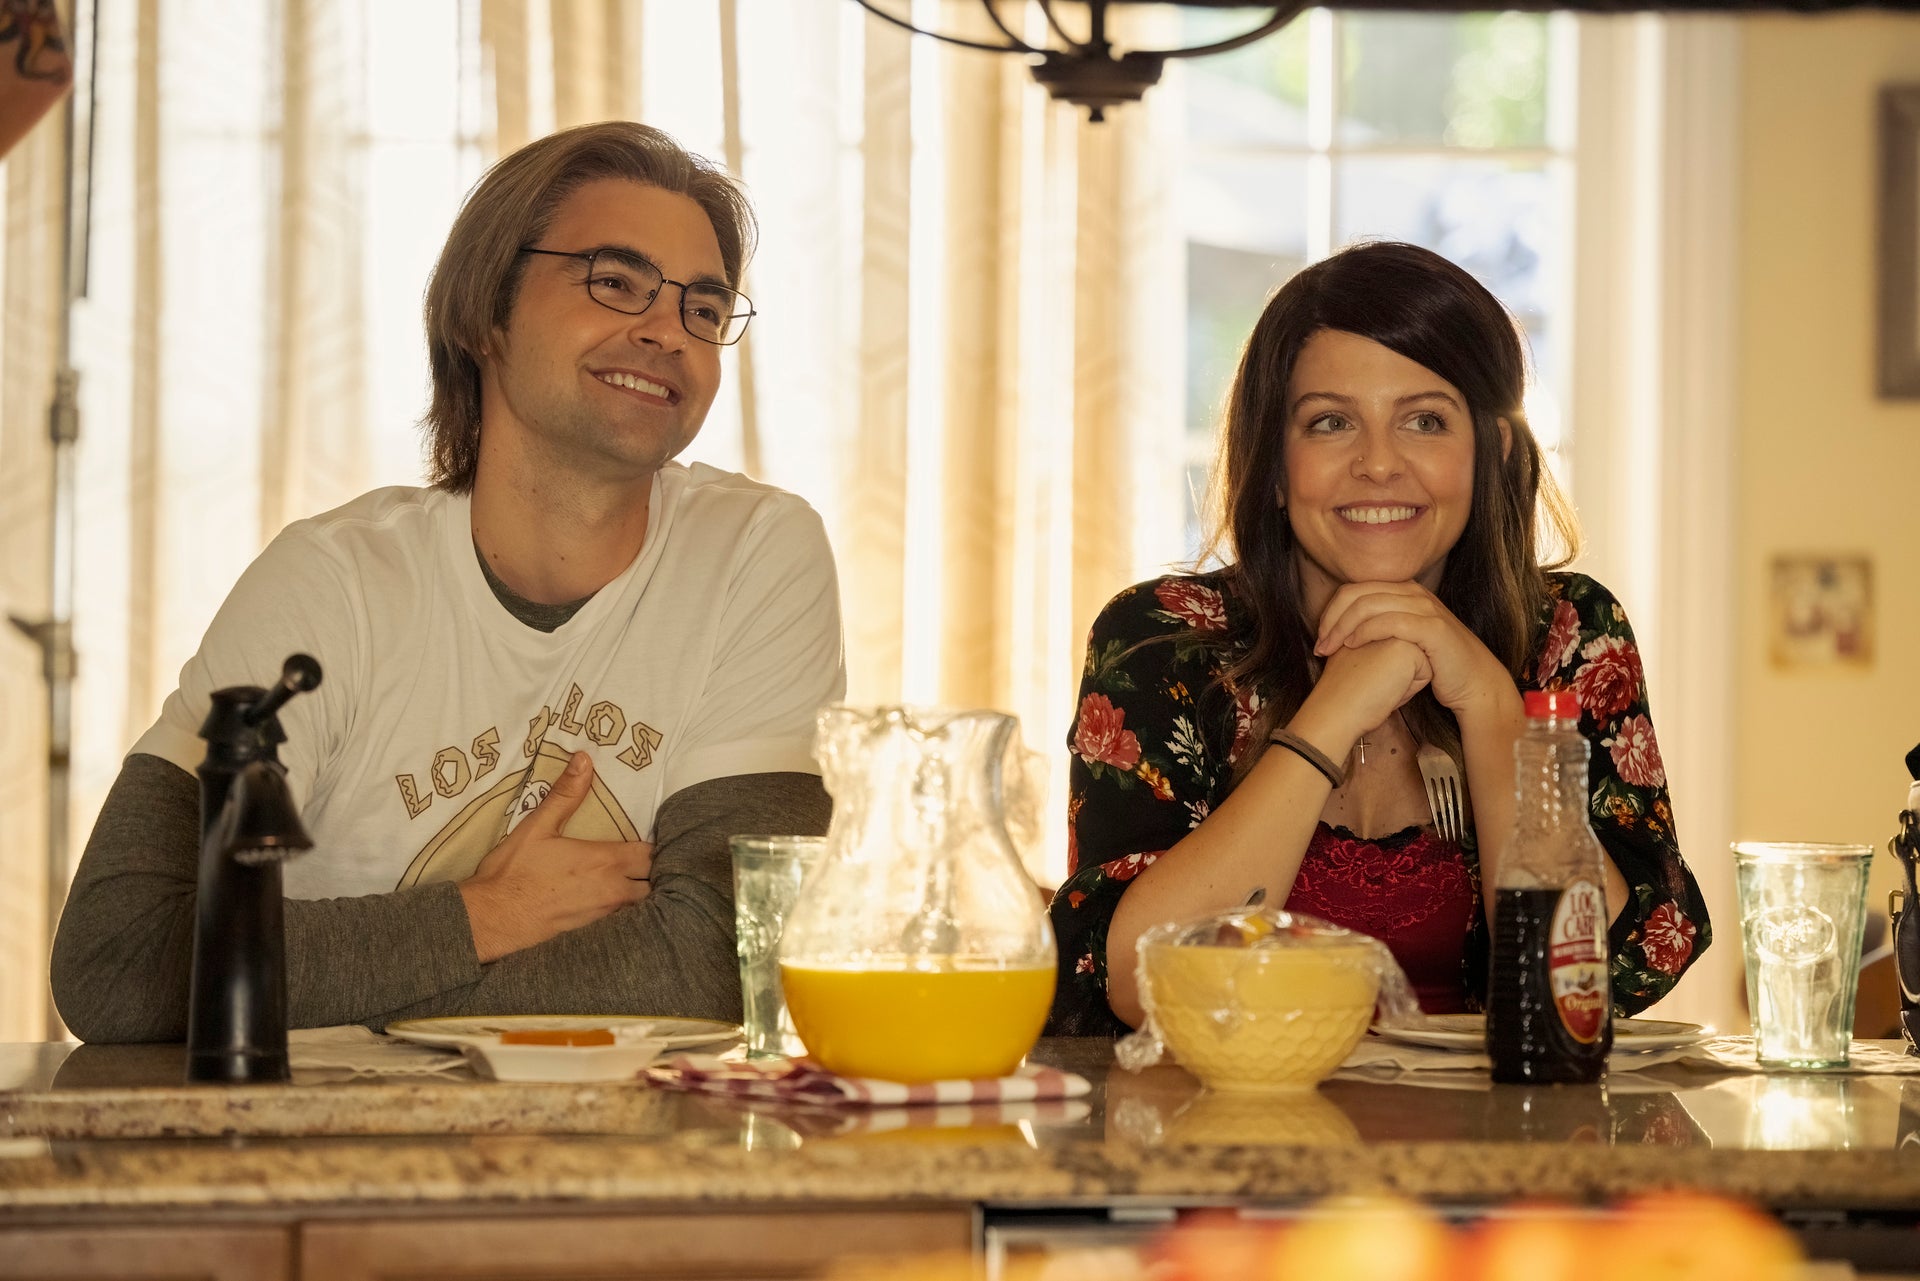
point(804, 1081)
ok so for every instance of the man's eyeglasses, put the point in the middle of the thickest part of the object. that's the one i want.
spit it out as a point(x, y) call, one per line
point(628, 283)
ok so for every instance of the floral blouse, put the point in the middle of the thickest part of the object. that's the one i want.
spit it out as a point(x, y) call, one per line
point(1159, 729)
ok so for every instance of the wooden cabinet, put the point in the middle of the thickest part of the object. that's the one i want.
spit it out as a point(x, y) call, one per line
point(504, 1246)
point(658, 1247)
point(176, 1254)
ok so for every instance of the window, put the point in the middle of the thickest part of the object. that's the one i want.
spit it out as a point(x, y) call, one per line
point(1450, 131)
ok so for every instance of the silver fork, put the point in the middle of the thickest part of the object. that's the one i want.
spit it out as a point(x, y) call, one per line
point(1446, 796)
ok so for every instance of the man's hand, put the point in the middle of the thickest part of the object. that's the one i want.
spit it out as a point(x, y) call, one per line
point(537, 883)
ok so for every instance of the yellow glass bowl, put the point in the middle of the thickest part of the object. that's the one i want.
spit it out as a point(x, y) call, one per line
point(1261, 1019)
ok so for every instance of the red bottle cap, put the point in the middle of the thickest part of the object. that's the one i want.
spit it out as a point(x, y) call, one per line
point(1554, 704)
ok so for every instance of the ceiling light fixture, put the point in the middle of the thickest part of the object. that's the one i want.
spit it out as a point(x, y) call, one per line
point(1087, 72)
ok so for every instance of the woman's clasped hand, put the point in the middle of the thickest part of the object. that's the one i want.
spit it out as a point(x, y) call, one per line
point(1452, 661)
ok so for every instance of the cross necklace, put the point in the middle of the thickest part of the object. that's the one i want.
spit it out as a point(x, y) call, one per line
point(1361, 744)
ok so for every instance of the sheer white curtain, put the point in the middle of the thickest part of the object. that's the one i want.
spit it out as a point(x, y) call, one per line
point(30, 282)
point(968, 357)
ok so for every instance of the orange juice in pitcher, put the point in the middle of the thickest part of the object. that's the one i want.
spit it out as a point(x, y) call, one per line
point(959, 1021)
point(919, 950)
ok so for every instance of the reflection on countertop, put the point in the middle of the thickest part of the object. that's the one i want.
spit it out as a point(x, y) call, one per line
point(69, 1117)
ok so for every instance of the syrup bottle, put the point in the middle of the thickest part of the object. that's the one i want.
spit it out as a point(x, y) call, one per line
point(1549, 1001)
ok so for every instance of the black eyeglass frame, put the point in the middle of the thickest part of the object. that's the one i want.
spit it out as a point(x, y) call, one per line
point(588, 257)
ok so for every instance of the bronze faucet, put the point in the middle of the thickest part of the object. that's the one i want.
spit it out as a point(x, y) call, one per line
point(1903, 909)
point(237, 1005)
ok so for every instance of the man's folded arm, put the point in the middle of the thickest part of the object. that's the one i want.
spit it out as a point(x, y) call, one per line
point(124, 948)
point(673, 952)
point(123, 955)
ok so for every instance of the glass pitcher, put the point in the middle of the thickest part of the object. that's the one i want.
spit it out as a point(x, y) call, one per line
point(919, 949)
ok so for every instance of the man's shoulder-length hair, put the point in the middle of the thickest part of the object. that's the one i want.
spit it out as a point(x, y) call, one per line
point(472, 290)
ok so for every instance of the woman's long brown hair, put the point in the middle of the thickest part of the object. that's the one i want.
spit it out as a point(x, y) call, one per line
point(1416, 303)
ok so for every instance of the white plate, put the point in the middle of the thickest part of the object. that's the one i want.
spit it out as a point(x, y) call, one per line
point(458, 1033)
point(1469, 1032)
point(638, 1040)
point(562, 1063)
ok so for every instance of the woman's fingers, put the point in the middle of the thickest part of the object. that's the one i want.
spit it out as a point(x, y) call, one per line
point(1422, 677)
point(1379, 619)
point(1370, 681)
point(1391, 625)
point(1356, 602)
point(1459, 668)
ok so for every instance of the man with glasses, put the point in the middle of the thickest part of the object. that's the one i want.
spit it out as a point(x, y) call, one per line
point(556, 681)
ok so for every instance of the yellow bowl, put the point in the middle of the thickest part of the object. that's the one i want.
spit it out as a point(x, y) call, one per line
point(1261, 1019)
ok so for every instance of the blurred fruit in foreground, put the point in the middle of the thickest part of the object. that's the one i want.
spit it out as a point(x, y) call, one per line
point(1380, 1240)
point(1108, 1264)
point(1670, 1236)
point(1680, 1236)
point(1213, 1245)
point(1534, 1243)
point(1675, 1236)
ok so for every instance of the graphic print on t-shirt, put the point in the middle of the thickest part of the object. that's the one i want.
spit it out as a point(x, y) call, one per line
point(470, 835)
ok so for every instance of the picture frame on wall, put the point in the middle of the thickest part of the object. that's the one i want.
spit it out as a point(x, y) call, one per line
point(1821, 610)
point(1899, 248)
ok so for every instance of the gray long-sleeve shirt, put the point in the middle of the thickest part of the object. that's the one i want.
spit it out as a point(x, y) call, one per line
point(123, 954)
point(124, 950)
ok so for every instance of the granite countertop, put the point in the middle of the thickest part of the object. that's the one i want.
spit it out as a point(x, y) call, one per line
point(1784, 1140)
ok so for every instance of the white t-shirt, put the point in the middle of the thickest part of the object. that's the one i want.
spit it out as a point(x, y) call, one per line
point(441, 719)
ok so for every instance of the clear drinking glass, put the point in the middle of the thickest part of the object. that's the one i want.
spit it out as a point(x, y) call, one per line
point(1803, 909)
point(767, 874)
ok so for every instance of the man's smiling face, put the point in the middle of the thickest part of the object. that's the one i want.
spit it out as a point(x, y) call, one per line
point(584, 387)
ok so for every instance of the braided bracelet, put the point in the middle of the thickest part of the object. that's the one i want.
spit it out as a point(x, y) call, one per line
point(1309, 753)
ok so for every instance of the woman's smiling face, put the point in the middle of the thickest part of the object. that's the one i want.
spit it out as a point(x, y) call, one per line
point(1379, 464)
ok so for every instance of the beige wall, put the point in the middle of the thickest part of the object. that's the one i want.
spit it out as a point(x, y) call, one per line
point(1824, 465)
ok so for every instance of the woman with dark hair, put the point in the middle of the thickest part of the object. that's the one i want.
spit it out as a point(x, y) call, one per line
point(1254, 729)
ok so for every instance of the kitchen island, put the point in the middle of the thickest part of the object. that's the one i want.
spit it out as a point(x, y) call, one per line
point(108, 1163)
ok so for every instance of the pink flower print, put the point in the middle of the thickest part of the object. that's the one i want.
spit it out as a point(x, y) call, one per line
point(1668, 939)
point(1200, 608)
point(1246, 705)
point(1636, 756)
point(1101, 736)
point(1563, 638)
point(1125, 869)
point(1609, 680)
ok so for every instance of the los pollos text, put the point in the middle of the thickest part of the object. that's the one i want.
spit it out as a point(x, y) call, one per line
point(602, 724)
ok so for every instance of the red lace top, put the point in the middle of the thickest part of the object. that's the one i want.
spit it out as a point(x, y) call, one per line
point(1410, 890)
